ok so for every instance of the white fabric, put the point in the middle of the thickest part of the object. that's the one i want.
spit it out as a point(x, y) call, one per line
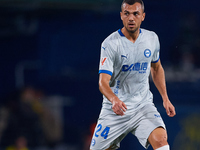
point(166, 147)
point(140, 123)
point(129, 65)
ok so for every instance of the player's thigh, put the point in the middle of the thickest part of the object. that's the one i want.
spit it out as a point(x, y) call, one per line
point(158, 138)
point(148, 120)
point(109, 132)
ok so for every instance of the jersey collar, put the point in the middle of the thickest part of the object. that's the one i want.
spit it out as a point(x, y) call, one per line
point(120, 32)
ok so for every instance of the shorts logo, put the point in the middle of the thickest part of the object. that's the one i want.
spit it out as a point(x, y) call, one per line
point(103, 60)
point(147, 53)
point(157, 115)
point(93, 142)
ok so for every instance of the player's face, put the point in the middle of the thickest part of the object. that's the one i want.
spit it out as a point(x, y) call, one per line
point(132, 16)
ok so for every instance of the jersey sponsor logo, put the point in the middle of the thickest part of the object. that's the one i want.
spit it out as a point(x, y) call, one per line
point(140, 67)
point(103, 60)
point(147, 53)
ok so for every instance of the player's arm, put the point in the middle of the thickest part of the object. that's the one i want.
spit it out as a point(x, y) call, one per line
point(117, 105)
point(158, 76)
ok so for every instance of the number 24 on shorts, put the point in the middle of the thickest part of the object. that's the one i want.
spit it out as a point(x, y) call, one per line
point(104, 133)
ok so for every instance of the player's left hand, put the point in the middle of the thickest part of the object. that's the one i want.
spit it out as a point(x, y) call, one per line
point(170, 110)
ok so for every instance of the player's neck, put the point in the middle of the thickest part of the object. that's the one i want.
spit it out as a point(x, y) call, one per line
point(131, 36)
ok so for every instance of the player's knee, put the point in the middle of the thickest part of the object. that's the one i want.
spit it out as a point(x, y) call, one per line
point(160, 141)
point(158, 138)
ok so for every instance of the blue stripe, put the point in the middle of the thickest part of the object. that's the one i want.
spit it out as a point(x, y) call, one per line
point(156, 60)
point(120, 32)
point(105, 71)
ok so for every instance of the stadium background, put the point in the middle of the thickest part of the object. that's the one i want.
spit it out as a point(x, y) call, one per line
point(50, 50)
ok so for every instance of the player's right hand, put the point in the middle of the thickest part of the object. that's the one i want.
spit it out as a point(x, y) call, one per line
point(119, 107)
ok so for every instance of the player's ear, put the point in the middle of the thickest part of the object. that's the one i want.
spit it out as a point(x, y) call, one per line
point(121, 15)
point(143, 16)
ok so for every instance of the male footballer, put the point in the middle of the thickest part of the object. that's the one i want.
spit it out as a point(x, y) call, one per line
point(128, 56)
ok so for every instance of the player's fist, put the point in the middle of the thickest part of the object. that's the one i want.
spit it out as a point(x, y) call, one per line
point(118, 107)
point(170, 110)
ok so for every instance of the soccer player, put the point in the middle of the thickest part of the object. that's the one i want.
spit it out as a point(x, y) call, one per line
point(127, 58)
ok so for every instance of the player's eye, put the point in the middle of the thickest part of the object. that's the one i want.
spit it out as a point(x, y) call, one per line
point(136, 13)
point(126, 13)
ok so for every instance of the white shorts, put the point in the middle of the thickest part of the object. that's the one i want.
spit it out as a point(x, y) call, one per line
point(112, 128)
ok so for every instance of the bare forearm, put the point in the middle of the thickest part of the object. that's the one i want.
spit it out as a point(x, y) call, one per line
point(117, 105)
point(158, 76)
point(106, 91)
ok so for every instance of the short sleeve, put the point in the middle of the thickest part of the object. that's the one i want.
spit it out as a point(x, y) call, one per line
point(106, 59)
point(156, 54)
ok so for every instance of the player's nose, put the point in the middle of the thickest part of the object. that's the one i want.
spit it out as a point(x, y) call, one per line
point(131, 17)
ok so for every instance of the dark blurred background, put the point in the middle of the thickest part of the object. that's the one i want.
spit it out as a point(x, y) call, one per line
point(50, 50)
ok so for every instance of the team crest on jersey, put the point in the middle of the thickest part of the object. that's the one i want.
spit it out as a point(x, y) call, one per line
point(103, 60)
point(147, 53)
